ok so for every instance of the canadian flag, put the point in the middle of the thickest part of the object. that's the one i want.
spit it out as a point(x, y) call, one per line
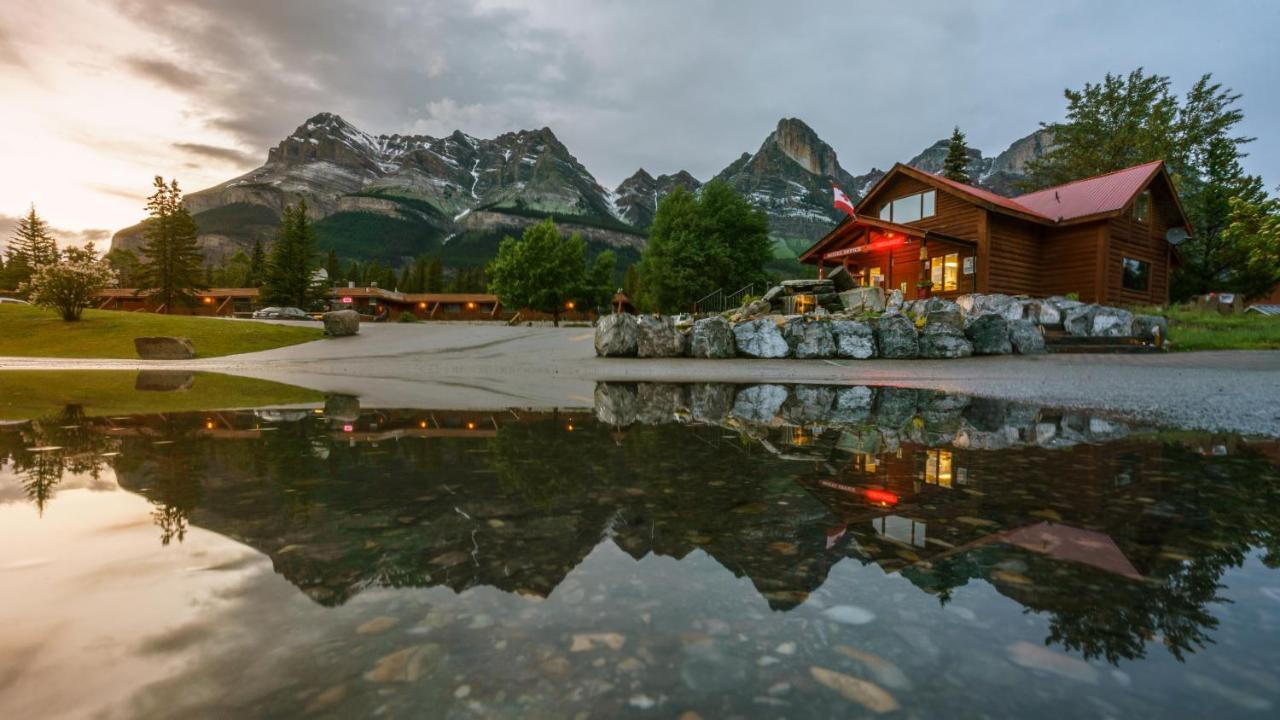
point(842, 201)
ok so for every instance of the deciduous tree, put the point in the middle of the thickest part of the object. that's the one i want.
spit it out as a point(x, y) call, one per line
point(544, 271)
point(69, 285)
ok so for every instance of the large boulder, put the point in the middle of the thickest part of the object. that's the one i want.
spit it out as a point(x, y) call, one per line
point(616, 404)
point(164, 348)
point(989, 335)
point(896, 337)
point(854, 339)
point(759, 403)
point(711, 402)
point(658, 403)
point(1026, 338)
point(852, 405)
point(617, 335)
point(342, 408)
point(809, 338)
point(1044, 313)
point(1009, 308)
point(809, 404)
point(1078, 319)
point(941, 340)
point(1111, 322)
point(711, 338)
point(1151, 328)
point(341, 323)
point(658, 337)
point(863, 299)
point(760, 339)
point(163, 380)
point(893, 301)
point(946, 315)
point(895, 406)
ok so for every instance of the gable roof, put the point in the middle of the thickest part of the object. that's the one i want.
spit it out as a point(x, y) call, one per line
point(1091, 196)
point(1084, 198)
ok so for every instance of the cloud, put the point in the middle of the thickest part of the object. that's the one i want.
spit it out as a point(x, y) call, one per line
point(223, 154)
point(99, 236)
point(165, 73)
point(9, 54)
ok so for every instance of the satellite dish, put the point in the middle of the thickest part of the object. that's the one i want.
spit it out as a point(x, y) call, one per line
point(1176, 236)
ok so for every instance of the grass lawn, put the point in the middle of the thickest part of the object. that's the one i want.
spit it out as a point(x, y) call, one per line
point(34, 394)
point(1194, 329)
point(38, 332)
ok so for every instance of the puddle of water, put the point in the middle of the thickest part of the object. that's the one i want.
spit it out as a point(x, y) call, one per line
point(754, 551)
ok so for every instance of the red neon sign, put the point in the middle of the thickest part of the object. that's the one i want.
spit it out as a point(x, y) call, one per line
point(347, 300)
point(881, 496)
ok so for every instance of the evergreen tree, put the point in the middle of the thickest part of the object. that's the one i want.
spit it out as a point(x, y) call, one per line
point(544, 271)
point(433, 281)
point(700, 244)
point(290, 278)
point(257, 266)
point(354, 273)
point(127, 267)
point(334, 268)
point(173, 267)
point(956, 166)
point(31, 248)
point(1128, 120)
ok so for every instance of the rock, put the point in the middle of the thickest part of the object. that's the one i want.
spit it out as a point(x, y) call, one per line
point(710, 402)
point(948, 316)
point(773, 292)
point(867, 694)
point(760, 339)
point(974, 305)
point(808, 286)
point(164, 348)
point(341, 323)
point(849, 615)
point(943, 341)
point(616, 404)
point(885, 672)
point(863, 299)
point(893, 301)
point(343, 408)
point(1111, 322)
point(841, 279)
point(163, 380)
point(808, 338)
point(1043, 313)
point(617, 335)
point(896, 337)
point(854, 339)
point(759, 403)
point(989, 335)
point(1150, 328)
point(1026, 338)
point(1043, 659)
point(657, 403)
point(658, 337)
point(852, 405)
point(808, 404)
point(407, 665)
point(1078, 320)
point(711, 338)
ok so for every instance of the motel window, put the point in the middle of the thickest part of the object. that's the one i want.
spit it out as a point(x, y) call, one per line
point(937, 468)
point(1142, 206)
point(1137, 275)
point(945, 272)
point(873, 278)
point(911, 207)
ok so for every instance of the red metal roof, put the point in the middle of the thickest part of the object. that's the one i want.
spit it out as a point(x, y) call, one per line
point(1090, 196)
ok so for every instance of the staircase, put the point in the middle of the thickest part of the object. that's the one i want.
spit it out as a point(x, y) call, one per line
point(1057, 341)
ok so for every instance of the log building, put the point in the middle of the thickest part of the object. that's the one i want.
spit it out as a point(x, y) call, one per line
point(1105, 238)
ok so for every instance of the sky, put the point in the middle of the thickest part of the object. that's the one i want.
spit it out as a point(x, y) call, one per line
point(99, 96)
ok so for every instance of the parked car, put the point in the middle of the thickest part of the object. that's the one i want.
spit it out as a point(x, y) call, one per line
point(14, 301)
point(281, 313)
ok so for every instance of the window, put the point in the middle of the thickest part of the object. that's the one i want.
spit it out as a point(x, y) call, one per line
point(1142, 206)
point(1137, 275)
point(911, 207)
point(872, 278)
point(937, 468)
point(945, 272)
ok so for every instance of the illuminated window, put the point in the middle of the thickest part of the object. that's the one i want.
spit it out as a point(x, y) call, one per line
point(1142, 206)
point(945, 272)
point(873, 278)
point(937, 468)
point(911, 207)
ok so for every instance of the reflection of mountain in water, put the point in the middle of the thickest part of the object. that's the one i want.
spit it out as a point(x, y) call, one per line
point(1119, 536)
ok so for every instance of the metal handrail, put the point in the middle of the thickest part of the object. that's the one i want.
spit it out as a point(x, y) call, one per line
point(735, 299)
point(698, 305)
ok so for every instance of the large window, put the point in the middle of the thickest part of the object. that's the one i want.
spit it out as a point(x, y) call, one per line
point(1137, 275)
point(1142, 206)
point(910, 208)
point(945, 272)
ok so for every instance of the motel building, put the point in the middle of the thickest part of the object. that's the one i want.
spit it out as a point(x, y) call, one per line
point(1110, 238)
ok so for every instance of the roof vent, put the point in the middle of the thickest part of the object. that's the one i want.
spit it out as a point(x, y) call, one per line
point(1055, 196)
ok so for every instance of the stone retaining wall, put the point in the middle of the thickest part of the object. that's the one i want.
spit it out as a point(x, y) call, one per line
point(868, 324)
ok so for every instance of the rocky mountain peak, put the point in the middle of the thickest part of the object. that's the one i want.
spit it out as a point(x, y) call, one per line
point(799, 142)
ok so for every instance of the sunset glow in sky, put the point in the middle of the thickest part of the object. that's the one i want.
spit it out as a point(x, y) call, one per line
point(98, 97)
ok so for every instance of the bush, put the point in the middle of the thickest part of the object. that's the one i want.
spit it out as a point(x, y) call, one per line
point(407, 317)
point(69, 285)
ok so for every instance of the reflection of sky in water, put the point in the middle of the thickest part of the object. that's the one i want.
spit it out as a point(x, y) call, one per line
point(536, 571)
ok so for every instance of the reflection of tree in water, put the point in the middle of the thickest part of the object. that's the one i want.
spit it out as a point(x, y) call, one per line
point(171, 465)
point(72, 447)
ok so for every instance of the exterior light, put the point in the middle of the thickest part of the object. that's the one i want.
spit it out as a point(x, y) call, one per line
point(884, 497)
point(208, 424)
point(422, 306)
point(471, 426)
point(569, 305)
point(569, 427)
point(422, 424)
point(208, 301)
point(471, 306)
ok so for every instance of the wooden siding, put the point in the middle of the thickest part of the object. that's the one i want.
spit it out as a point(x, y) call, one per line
point(1141, 241)
point(1069, 261)
point(1015, 259)
point(953, 215)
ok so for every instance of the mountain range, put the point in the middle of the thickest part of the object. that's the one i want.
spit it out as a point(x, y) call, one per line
point(388, 198)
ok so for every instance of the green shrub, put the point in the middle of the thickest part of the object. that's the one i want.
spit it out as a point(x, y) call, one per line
point(407, 317)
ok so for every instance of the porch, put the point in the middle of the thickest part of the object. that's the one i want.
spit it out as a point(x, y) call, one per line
point(918, 262)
